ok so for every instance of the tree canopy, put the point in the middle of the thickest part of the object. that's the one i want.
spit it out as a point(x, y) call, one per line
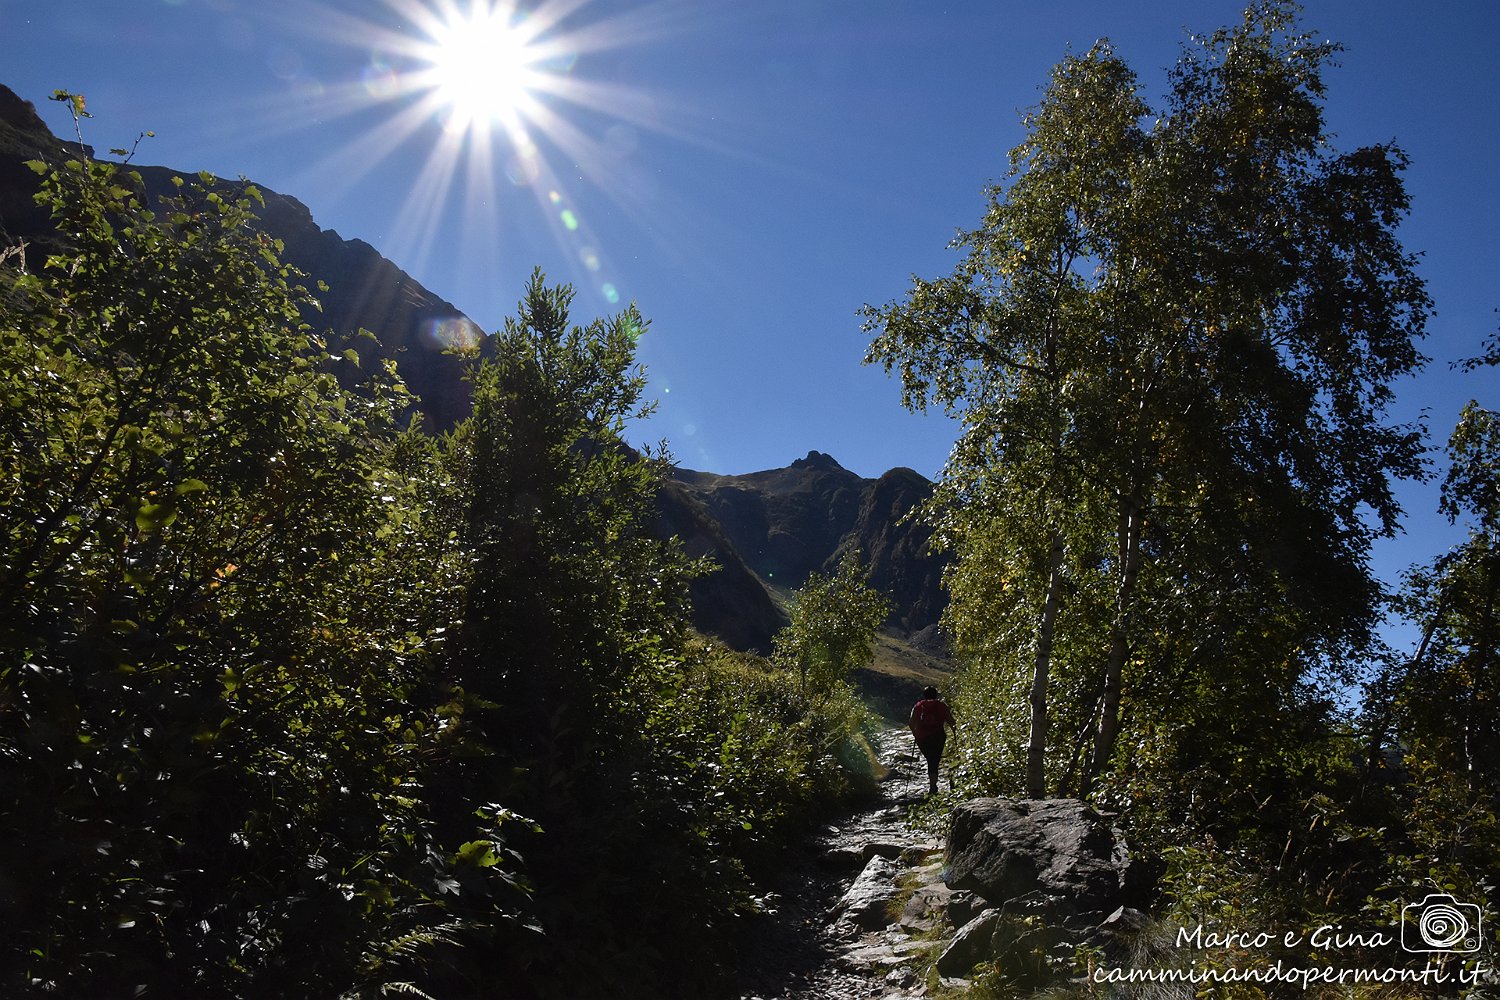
point(834, 619)
point(1171, 344)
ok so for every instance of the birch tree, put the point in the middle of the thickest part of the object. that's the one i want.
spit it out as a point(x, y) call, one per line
point(1171, 343)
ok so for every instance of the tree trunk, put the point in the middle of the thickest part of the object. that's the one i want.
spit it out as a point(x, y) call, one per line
point(1036, 747)
point(1073, 781)
point(1481, 656)
point(1119, 644)
point(1388, 682)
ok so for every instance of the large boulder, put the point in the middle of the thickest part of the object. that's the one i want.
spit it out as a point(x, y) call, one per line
point(1057, 858)
point(970, 946)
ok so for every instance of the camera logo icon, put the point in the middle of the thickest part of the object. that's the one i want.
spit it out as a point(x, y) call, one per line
point(1440, 923)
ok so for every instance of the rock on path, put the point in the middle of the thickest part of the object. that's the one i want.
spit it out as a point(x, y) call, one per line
point(834, 933)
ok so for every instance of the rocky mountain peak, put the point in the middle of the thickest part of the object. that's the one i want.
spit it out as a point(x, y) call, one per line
point(19, 113)
point(781, 525)
point(818, 460)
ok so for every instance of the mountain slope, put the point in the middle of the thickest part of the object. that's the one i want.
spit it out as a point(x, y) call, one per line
point(895, 549)
point(365, 291)
point(790, 522)
point(729, 601)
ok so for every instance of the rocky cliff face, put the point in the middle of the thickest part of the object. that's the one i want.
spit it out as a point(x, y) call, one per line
point(367, 291)
point(788, 522)
point(896, 549)
point(729, 601)
point(24, 137)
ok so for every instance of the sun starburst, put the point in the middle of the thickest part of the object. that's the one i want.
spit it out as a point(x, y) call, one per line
point(482, 67)
point(492, 94)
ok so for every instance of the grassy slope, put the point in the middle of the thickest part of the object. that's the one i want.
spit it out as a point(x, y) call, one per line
point(895, 679)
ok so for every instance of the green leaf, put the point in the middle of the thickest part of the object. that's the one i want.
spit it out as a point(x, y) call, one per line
point(480, 853)
point(151, 517)
point(76, 100)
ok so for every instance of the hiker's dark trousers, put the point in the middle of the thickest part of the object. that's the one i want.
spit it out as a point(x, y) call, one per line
point(932, 749)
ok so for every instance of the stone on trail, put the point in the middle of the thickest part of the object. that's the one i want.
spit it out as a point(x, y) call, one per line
point(844, 857)
point(930, 873)
point(964, 906)
point(883, 849)
point(1058, 857)
point(1122, 932)
point(1020, 946)
point(915, 854)
point(970, 946)
point(864, 904)
point(872, 955)
point(925, 910)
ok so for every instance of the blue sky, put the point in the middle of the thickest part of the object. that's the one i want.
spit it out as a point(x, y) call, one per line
point(749, 173)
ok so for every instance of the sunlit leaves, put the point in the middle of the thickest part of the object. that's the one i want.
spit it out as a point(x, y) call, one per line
point(834, 619)
point(1471, 488)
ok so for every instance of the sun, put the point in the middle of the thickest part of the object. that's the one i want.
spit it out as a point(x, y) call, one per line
point(485, 101)
point(482, 66)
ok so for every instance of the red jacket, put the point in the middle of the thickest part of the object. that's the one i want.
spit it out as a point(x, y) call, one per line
point(928, 717)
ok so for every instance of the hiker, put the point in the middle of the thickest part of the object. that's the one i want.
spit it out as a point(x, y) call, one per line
point(928, 717)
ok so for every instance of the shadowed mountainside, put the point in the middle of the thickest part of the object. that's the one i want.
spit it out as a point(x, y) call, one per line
point(365, 291)
point(730, 601)
point(787, 523)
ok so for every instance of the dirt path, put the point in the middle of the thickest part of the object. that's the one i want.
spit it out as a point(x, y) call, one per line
point(826, 942)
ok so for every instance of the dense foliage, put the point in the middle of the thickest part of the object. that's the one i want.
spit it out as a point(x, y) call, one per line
point(834, 619)
point(215, 616)
point(1171, 343)
point(295, 702)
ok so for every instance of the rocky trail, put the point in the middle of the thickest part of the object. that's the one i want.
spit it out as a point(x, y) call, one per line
point(833, 931)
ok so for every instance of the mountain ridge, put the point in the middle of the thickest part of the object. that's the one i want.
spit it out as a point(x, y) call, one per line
point(785, 524)
point(412, 325)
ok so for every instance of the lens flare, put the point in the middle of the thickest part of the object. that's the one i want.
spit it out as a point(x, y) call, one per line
point(309, 88)
point(453, 333)
point(285, 63)
point(493, 89)
point(380, 81)
point(525, 167)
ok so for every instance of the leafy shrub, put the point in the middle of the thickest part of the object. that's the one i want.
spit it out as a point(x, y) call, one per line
point(221, 600)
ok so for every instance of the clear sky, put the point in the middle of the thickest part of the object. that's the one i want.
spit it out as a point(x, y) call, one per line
point(748, 172)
